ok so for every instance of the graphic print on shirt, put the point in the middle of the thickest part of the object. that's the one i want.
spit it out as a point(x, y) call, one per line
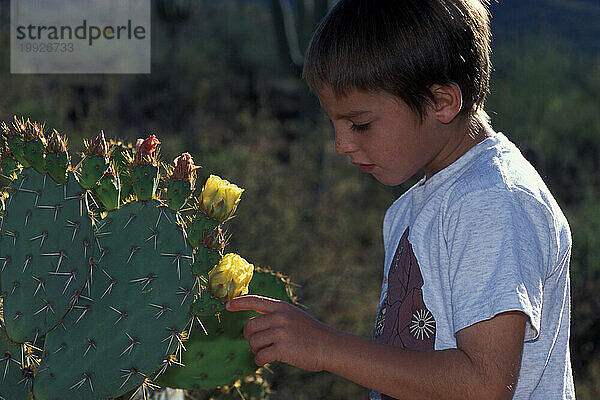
point(403, 320)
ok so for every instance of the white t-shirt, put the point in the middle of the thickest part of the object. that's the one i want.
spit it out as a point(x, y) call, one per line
point(481, 237)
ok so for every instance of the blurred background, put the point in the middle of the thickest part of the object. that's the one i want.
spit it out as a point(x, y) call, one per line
point(225, 87)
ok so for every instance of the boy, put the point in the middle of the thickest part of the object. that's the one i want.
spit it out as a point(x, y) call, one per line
point(475, 301)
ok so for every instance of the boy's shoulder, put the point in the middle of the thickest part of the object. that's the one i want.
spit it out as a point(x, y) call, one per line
point(493, 169)
point(498, 168)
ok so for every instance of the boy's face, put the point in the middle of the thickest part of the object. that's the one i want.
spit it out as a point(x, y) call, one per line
point(382, 135)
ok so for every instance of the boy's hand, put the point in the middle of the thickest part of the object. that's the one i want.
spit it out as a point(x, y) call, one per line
point(284, 333)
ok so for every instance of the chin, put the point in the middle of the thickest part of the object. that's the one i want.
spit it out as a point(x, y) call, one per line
point(390, 181)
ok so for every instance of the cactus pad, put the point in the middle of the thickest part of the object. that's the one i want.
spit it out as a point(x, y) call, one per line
point(46, 244)
point(140, 301)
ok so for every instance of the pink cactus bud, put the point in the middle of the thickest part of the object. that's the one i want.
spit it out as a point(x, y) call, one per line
point(184, 168)
point(145, 148)
point(56, 144)
point(99, 146)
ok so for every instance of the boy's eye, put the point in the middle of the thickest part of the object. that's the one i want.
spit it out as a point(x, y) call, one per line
point(360, 127)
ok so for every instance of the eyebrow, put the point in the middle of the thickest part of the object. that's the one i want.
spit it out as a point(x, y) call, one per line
point(352, 114)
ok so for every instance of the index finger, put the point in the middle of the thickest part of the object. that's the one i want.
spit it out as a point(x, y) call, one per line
point(260, 304)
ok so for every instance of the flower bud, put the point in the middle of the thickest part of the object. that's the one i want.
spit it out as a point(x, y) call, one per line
point(144, 151)
point(181, 181)
point(184, 168)
point(231, 277)
point(219, 198)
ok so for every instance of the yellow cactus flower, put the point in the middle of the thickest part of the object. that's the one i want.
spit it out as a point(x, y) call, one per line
point(220, 198)
point(211, 187)
point(231, 277)
point(232, 197)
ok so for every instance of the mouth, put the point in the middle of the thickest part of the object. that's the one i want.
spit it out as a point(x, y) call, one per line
point(368, 168)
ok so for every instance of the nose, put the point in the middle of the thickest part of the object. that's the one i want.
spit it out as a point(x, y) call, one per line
point(344, 143)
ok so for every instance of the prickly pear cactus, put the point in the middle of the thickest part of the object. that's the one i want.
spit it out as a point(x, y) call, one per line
point(107, 281)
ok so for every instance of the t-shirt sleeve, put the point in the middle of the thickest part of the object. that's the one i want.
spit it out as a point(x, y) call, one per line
point(496, 259)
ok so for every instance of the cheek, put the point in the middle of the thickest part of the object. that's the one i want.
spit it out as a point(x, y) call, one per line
point(401, 161)
point(392, 150)
point(392, 156)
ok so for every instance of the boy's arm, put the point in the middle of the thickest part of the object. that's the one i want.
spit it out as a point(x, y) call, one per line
point(485, 364)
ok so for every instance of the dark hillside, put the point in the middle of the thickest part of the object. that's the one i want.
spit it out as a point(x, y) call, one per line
point(572, 22)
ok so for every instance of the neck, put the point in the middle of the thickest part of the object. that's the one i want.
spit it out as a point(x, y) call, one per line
point(479, 127)
point(462, 135)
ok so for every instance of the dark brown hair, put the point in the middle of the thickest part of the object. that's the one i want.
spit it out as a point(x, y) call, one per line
point(403, 47)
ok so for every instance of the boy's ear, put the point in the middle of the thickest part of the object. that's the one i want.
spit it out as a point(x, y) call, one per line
point(447, 102)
